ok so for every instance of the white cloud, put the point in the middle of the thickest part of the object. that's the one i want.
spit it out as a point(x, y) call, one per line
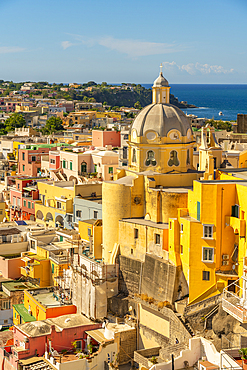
point(133, 48)
point(196, 68)
point(66, 44)
point(137, 48)
point(10, 49)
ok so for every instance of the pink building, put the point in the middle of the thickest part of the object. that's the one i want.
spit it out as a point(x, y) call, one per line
point(33, 338)
point(30, 159)
point(102, 138)
point(23, 195)
point(54, 160)
point(11, 267)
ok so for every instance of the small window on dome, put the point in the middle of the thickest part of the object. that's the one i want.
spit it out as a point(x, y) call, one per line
point(134, 155)
point(150, 161)
point(173, 161)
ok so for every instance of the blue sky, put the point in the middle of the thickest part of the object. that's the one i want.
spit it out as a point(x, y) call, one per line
point(198, 41)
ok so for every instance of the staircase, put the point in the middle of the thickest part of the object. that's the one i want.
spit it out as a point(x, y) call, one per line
point(185, 324)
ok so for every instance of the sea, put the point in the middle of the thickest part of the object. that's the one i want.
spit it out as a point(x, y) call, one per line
point(212, 99)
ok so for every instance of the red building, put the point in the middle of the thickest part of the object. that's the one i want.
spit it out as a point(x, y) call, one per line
point(23, 195)
point(34, 338)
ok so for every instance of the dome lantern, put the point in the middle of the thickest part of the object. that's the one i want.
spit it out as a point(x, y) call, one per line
point(161, 89)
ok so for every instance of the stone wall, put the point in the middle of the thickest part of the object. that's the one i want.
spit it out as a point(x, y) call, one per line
point(154, 277)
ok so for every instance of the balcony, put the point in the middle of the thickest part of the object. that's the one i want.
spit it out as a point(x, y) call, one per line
point(60, 257)
point(234, 299)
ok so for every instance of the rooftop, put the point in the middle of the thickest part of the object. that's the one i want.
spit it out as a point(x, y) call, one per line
point(12, 231)
point(46, 297)
point(13, 286)
point(23, 312)
point(43, 327)
point(142, 221)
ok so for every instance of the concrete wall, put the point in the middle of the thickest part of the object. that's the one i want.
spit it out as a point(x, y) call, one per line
point(11, 268)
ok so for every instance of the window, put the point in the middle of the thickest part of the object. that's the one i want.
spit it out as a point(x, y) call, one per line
point(173, 161)
point(18, 186)
point(78, 213)
point(181, 228)
point(188, 157)
point(6, 305)
point(59, 205)
point(23, 167)
point(71, 165)
point(32, 205)
point(89, 232)
point(181, 249)
point(208, 254)
point(52, 268)
point(79, 344)
point(235, 211)
point(25, 203)
point(18, 202)
point(70, 218)
point(110, 170)
point(29, 204)
point(64, 164)
point(52, 161)
point(131, 251)
point(126, 136)
point(61, 238)
point(1, 211)
point(23, 156)
point(133, 155)
point(208, 231)
point(150, 160)
point(157, 238)
point(170, 225)
point(95, 214)
point(14, 201)
point(206, 275)
point(136, 233)
point(33, 158)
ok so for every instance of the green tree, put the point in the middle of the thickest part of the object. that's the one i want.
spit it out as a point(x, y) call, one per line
point(52, 125)
point(14, 121)
point(137, 105)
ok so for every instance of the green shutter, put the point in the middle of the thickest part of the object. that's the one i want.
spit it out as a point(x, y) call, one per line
point(198, 211)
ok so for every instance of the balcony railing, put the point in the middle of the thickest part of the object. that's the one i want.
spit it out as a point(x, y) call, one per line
point(234, 299)
point(60, 259)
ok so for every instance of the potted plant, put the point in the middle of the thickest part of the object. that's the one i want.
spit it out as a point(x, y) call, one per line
point(243, 353)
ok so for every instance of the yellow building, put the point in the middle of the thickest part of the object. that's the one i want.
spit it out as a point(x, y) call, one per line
point(154, 186)
point(163, 219)
point(41, 304)
point(91, 233)
point(36, 269)
point(56, 205)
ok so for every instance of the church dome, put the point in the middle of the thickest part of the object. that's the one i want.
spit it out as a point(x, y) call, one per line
point(160, 81)
point(161, 118)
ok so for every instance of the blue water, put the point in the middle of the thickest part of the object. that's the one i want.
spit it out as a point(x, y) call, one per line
point(211, 99)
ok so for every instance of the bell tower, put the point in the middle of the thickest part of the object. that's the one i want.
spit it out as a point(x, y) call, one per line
point(161, 89)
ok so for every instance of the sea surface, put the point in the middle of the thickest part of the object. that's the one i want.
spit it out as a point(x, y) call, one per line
point(212, 99)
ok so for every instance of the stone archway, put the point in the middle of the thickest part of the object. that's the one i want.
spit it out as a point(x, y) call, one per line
point(39, 215)
point(59, 221)
point(73, 178)
point(49, 216)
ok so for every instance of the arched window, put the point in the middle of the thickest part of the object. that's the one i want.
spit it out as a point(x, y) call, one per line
point(134, 155)
point(173, 161)
point(150, 160)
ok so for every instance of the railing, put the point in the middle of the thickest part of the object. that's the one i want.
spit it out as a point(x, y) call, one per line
point(61, 259)
point(235, 302)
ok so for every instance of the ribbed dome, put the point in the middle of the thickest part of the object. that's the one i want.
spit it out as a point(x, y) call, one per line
point(161, 118)
point(160, 81)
